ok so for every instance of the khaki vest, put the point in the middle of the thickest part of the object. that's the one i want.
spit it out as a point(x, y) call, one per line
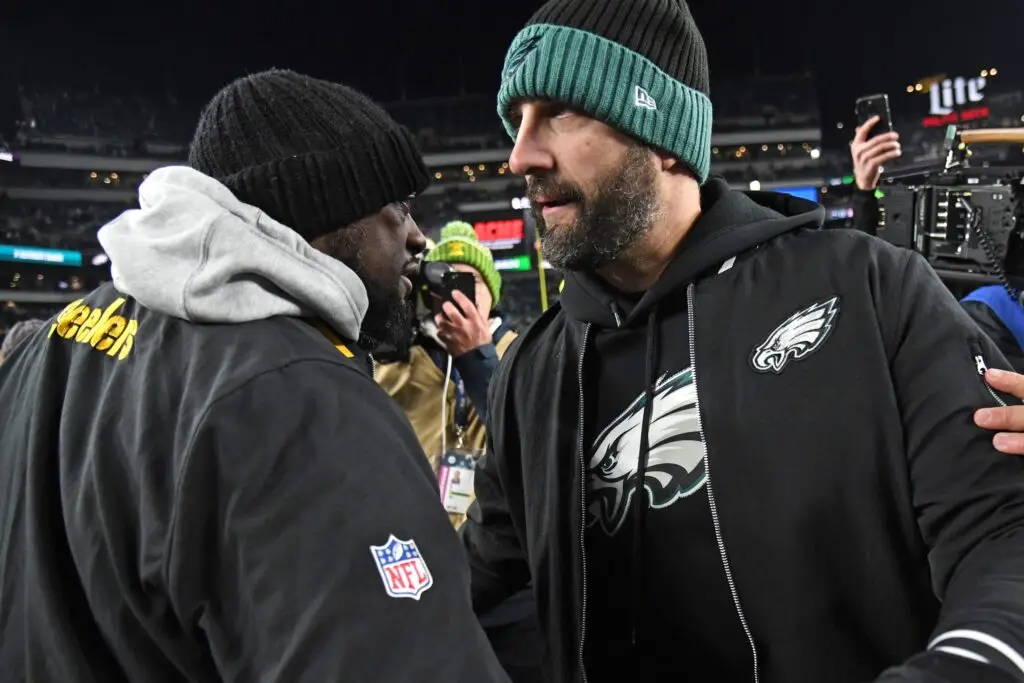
point(416, 385)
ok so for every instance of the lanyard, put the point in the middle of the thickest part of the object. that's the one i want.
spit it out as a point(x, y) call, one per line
point(461, 407)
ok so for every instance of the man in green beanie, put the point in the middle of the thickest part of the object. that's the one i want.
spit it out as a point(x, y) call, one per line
point(858, 526)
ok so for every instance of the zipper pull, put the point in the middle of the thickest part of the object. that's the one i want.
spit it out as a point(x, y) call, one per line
point(979, 363)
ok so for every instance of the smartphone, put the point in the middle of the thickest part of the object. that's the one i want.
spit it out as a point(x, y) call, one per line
point(874, 105)
point(464, 282)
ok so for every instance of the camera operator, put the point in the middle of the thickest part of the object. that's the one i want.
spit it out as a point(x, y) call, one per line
point(454, 353)
point(991, 307)
point(442, 386)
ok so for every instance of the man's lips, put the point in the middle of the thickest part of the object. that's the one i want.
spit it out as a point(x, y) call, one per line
point(411, 269)
point(551, 206)
point(409, 273)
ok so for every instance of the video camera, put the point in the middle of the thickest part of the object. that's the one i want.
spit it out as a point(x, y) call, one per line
point(965, 221)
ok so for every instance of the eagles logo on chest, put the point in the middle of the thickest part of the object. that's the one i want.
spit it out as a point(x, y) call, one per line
point(675, 460)
point(797, 337)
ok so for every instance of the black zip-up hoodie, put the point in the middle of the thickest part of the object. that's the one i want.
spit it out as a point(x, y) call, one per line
point(866, 529)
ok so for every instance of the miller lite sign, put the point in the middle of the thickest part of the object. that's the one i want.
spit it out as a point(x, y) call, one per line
point(402, 568)
point(954, 93)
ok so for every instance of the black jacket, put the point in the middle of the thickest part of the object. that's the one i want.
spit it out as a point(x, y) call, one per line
point(865, 211)
point(228, 499)
point(199, 502)
point(998, 316)
point(865, 524)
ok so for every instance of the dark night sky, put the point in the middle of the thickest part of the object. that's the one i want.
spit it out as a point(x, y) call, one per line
point(440, 47)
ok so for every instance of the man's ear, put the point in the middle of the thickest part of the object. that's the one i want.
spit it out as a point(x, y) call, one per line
point(666, 162)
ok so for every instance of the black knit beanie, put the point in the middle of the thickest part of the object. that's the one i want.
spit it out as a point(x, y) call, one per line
point(638, 65)
point(315, 156)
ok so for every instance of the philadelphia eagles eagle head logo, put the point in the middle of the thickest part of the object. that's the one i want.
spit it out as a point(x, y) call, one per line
point(675, 460)
point(522, 51)
point(800, 335)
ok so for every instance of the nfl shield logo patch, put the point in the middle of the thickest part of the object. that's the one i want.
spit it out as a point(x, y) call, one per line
point(402, 569)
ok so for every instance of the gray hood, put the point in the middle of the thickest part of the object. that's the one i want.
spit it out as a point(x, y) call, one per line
point(195, 252)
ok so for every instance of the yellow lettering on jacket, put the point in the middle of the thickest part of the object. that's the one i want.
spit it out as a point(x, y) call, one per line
point(100, 328)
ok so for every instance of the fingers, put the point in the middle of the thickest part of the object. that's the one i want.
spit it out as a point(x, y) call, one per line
point(887, 141)
point(1008, 382)
point(1009, 443)
point(1006, 419)
point(1009, 418)
point(864, 129)
point(463, 301)
point(870, 160)
point(453, 314)
point(883, 158)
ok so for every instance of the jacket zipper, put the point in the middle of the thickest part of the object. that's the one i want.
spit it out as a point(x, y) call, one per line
point(982, 368)
point(711, 492)
point(583, 509)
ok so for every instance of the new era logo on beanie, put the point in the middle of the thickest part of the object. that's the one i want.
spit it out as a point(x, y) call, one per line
point(642, 98)
point(640, 66)
point(316, 156)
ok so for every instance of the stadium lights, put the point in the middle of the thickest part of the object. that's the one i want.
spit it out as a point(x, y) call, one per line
point(815, 153)
point(520, 203)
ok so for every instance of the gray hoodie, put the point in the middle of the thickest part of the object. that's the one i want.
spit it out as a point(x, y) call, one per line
point(195, 252)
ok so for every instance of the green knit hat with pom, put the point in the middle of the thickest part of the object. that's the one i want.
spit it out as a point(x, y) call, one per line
point(459, 244)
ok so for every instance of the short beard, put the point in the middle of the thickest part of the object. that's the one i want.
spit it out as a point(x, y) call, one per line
point(609, 222)
point(388, 320)
point(389, 316)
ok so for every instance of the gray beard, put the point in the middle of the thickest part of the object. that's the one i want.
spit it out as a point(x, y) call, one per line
point(608, 223)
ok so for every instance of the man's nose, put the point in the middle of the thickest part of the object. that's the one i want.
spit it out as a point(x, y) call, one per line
point(415, 241)
point(531, 154)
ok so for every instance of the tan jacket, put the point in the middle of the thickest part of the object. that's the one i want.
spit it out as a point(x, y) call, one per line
point(416, 385)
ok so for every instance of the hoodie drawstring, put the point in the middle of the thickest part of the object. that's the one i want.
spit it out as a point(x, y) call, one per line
point(640, 488)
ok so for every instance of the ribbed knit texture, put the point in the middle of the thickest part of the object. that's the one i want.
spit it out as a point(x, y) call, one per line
point(316, 156)
point(460, 244)
point(640, 66)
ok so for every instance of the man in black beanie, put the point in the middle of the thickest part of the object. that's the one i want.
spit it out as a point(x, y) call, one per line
point(200, 479)
point(858, 525)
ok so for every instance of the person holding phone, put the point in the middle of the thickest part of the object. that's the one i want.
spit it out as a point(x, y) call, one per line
point(442, 386)
point(871, 149)
point(991, 307)
point(456, 349)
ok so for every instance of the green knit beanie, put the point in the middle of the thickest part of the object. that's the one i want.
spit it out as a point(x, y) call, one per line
point(459, 244)
point(639, 66)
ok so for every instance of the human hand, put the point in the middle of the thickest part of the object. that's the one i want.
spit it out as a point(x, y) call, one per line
point(869, 154)
point(462, 330)
point(1008, 421)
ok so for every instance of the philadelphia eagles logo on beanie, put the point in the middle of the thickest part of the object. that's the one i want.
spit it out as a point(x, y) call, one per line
point(522, 51)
